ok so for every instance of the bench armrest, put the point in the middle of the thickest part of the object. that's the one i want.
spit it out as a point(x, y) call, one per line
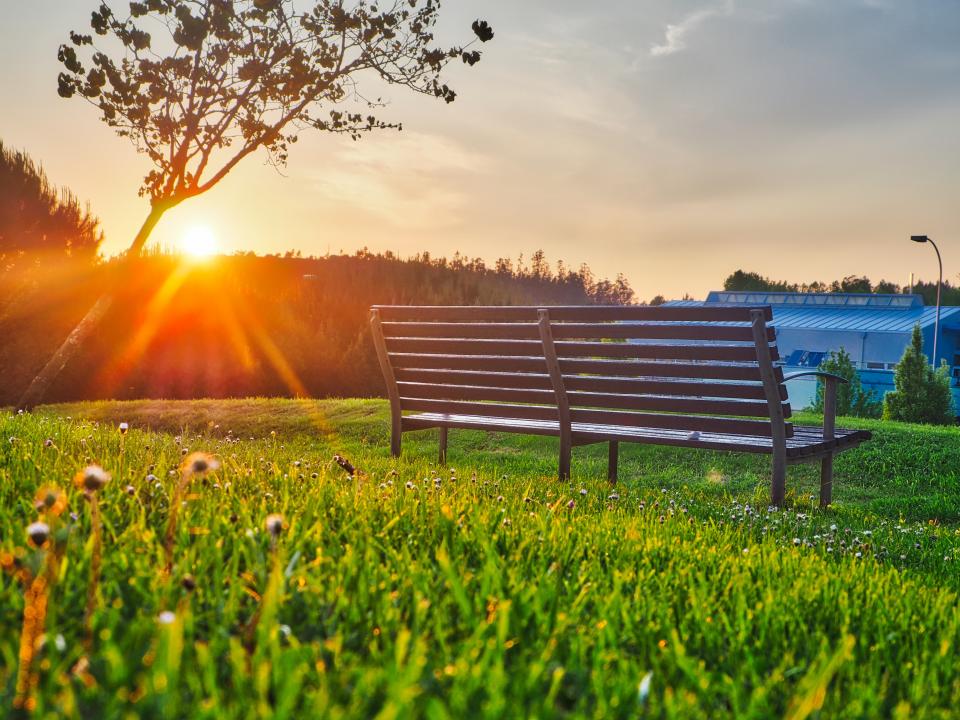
point(831, 381)
point(818, 373)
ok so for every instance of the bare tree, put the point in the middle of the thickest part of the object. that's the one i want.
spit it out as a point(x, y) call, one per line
point(202, 84)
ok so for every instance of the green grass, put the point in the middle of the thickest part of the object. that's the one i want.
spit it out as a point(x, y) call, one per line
point(415, 591)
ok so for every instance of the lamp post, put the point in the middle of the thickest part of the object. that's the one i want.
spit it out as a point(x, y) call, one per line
point(936, 325)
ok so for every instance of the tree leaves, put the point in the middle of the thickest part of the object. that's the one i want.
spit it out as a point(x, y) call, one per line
point(199, 85)
point(482, 30)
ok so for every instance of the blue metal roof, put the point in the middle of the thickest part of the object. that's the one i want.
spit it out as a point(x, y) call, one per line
point(854, 312)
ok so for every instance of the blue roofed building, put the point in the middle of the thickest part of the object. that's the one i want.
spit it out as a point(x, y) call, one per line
point(873, 329)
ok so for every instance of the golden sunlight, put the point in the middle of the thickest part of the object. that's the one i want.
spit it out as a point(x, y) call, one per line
point(199, 242)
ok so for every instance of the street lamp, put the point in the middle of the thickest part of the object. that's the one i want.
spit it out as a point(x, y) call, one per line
point(936, 325)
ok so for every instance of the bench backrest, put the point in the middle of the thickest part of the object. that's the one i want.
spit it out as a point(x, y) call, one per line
point(683, 368)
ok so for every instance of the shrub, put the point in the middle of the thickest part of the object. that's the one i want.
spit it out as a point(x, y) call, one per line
point(922, 394)
point(852, 399)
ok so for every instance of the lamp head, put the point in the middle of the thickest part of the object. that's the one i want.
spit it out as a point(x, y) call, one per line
point(920, 238)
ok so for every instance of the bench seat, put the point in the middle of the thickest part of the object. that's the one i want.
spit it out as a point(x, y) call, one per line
point(807, 441)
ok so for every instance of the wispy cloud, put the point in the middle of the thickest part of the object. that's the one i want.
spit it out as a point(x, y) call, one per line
point(675, 36)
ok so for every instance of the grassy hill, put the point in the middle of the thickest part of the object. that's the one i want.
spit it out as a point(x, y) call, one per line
point(485, 589)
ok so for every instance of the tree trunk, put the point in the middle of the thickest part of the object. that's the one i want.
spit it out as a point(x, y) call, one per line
point(41, 384)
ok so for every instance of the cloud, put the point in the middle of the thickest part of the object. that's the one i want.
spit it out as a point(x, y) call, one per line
point(675, 36)
point(412, 180)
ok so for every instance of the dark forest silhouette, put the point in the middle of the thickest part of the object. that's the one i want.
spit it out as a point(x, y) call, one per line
point(251, 325)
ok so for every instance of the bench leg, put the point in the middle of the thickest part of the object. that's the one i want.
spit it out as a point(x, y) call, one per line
point(395, 442)
point(826, 480)
point(565, 449)
point(443, 445)
point(612, 457)
point(778, 483)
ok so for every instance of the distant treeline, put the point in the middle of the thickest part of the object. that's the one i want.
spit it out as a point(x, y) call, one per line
point(743, 280)
point(248, 325)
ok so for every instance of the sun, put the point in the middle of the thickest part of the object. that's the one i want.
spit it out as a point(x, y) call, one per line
point(199, 242)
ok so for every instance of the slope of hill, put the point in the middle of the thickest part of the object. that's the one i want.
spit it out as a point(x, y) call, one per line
point(487, 591)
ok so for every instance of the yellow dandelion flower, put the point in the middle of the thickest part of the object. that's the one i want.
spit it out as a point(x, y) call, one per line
point(51, 500)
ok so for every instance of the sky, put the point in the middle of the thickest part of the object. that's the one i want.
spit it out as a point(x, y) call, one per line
point(672, 141)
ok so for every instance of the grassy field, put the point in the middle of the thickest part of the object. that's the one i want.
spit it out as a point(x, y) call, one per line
point(485, 589)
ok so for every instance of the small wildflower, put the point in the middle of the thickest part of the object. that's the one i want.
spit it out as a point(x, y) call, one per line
point(130, 490)
point(571, 504)
point(583, 491)
point(188, 583)
point(199, 463)
point(48, 443)
point(274, 524)
point(613, 496)
point(123, 427)
point(38, 533)
point(166, 618)
point(50, 499)
point(796, 541)
point(91, 478)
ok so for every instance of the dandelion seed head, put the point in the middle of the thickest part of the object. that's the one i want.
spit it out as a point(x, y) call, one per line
point(274, 524)
point(123, 427)
point(38, 533)
point(199, 463)
point(91, 478)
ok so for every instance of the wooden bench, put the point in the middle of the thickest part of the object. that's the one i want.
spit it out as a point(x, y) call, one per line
point(702, 377)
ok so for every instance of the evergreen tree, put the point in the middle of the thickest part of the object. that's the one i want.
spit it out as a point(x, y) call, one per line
point(922, 394)
point(39, 220)
point(852, 399)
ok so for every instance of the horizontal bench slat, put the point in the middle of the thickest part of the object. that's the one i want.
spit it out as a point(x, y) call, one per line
point(666, 403)
point(493, 331)
point(583, 432)
point(469, 362)
point(634, 386)
point(488, 379)
point(661, 403)
point(681, 388)
point(475, 392)
point(561, 331)
point(612, 368)
point(626, 368)
point(666, 331)
point(700, 423)
point(571, 313)
point(571, 349)
point(478, 409)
